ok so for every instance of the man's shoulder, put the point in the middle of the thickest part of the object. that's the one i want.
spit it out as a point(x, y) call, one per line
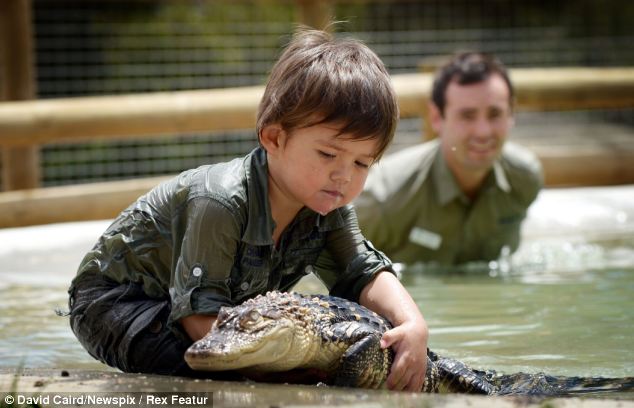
point(402, 167)
point(411, 155)
point(523, 169)
point(521, 160)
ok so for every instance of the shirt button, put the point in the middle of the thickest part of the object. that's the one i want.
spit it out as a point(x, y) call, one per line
point(197, 271)
point(244, 285)
point(309, 269)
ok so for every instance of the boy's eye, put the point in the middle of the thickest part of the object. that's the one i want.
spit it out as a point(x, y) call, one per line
point(362, 165)
point(325, 154)
point(468, 116)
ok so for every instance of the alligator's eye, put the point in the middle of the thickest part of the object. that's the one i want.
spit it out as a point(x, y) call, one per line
point(254, 315)
point(250, 318)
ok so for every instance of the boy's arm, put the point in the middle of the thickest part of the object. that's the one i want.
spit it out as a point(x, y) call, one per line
point(197, 326)
point(205, 237)
point(386, 296)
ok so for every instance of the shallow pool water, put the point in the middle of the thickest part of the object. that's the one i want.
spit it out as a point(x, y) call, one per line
point(570, 324)
point(563, 304)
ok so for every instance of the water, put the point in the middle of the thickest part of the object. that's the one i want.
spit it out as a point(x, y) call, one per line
point(563, 304)
point(36, 266)
point(576, 325)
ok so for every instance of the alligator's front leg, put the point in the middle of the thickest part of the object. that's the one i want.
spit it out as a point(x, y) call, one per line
point(364, 364)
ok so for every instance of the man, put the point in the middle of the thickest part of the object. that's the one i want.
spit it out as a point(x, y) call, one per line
point(462, 196)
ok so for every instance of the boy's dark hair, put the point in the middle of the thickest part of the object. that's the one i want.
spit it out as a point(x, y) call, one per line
point(320, 79)
point(467, 68)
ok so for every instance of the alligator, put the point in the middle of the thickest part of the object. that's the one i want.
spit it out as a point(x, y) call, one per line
point(325, 339)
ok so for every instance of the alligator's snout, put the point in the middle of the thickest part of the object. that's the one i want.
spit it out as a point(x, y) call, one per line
point(244, 336)
point(205, 354)
point(203, 347)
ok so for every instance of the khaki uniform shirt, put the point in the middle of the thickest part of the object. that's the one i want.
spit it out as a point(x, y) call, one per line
point(413, 209)
point(204, 240)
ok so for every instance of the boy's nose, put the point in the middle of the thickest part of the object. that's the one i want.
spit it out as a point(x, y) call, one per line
point(342, 173)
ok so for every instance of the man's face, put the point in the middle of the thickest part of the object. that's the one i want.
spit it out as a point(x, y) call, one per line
point(475, 124)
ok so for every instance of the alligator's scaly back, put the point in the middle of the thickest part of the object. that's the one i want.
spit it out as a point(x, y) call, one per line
point(280, 332)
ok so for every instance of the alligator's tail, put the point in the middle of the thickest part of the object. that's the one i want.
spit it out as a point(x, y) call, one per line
point(454, 376)
point(548, 385)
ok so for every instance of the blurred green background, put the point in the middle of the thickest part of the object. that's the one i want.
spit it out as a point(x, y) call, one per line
point(89, 47)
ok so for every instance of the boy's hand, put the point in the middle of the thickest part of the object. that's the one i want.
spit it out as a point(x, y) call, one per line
point(387, 297)
point(410, 362)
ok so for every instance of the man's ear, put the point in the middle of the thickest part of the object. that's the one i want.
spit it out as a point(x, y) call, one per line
point(272, 138)
point(435, 117)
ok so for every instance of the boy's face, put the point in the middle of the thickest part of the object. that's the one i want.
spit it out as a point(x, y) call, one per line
point(475, 124)
point(320, 169)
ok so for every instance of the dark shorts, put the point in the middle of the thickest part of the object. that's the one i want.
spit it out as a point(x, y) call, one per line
point(121, 326)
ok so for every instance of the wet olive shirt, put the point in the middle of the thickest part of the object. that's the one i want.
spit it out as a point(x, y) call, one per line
point(413, 209)
point(204, 239)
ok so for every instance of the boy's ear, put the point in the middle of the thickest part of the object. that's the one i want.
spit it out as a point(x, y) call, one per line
point(272, 138)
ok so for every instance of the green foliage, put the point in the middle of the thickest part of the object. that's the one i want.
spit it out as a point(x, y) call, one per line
point(217, 38)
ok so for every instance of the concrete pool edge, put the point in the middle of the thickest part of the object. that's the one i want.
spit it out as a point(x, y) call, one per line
point(247, 394)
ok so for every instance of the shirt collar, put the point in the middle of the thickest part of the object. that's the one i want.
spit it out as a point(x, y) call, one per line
point(260, 223)
point(307, 220)
point(447, 188)
point(500, 177)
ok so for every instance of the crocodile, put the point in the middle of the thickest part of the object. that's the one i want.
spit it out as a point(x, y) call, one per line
point(325, 339)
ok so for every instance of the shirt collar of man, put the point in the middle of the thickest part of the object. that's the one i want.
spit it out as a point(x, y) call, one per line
point(260, 223)
point(447, 188)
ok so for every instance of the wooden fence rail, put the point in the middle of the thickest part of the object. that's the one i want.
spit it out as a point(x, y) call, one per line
point(40, 122)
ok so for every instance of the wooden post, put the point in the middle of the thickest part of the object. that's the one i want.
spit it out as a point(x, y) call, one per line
point(314, 13)
point(20, 165)
point(430, 65)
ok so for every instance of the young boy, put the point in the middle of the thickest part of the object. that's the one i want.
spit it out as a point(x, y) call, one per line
point(220, 234)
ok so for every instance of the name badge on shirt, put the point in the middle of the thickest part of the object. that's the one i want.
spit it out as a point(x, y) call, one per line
point(425, 238)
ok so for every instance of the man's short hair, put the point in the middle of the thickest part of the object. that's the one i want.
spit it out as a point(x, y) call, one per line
point(323, 79)
point(467, 68)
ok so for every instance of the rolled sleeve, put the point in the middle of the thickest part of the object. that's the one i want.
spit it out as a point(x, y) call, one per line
point(361, 271)
point(208, 234)
point(350, 261)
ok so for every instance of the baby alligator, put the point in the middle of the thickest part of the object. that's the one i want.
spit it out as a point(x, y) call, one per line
point(337, 342)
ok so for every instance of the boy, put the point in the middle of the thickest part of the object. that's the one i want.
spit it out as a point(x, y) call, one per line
point(220, 234)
